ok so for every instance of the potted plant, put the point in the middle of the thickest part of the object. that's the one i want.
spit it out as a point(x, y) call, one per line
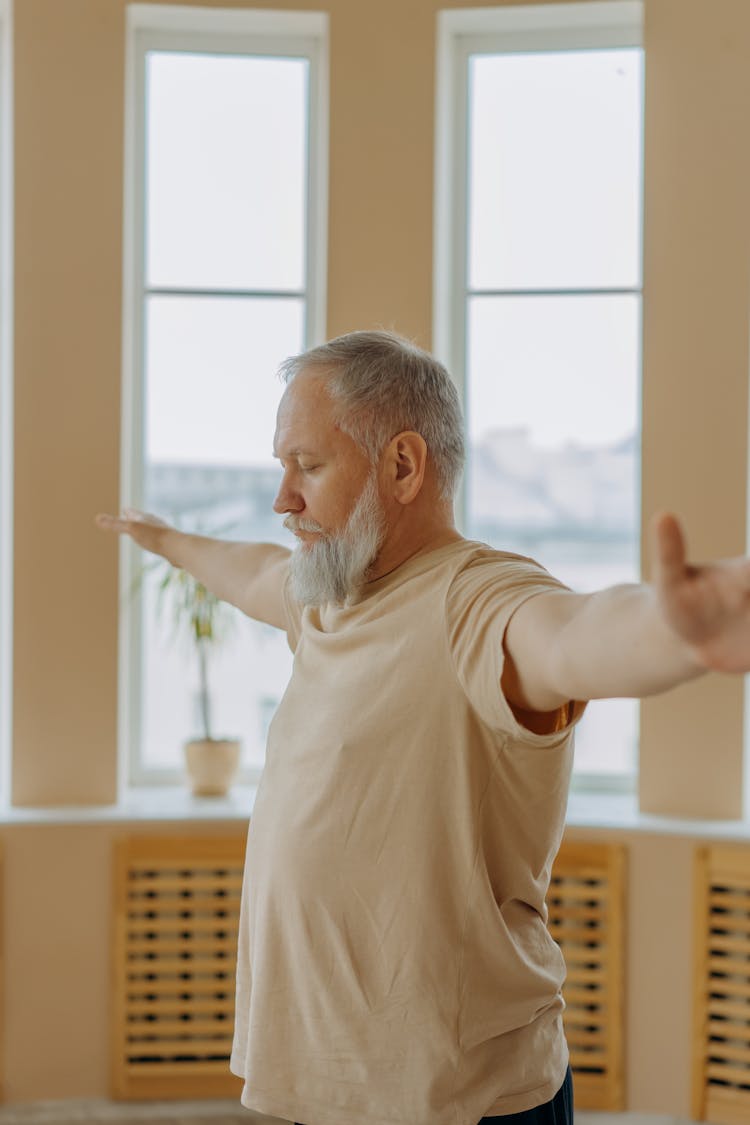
point(205, 621)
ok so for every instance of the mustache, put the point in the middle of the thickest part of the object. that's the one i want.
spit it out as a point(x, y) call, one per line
point(298, 523)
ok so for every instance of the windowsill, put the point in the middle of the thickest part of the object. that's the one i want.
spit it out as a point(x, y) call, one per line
point(600, 811)
point(619, 811)
point(155, 803)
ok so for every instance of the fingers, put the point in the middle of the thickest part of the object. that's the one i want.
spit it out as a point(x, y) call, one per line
point(107, 522)
point(669, 548)
point(110, 523)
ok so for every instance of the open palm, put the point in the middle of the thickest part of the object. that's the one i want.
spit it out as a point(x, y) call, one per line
point(143, 528)
point(708, 606)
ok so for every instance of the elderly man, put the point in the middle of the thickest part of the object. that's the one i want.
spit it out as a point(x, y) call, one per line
point(394, 966)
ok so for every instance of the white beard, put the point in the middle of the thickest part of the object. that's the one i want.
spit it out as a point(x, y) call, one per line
point(336, 566)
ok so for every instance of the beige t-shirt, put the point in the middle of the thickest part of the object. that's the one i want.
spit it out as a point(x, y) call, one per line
point(394, 966)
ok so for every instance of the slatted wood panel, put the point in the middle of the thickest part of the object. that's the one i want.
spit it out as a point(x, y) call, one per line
point(721, 1073)
point(177, 902)
point(587, 919)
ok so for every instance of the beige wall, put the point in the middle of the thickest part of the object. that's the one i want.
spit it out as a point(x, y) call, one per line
point(69, 65)
point(695, 358)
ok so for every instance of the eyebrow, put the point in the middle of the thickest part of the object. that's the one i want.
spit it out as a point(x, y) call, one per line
point(294, 453)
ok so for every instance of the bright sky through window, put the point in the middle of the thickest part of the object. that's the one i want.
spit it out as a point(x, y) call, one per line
point(226, 166)
point(554, 203)
point(226, 196)
point(555, 171)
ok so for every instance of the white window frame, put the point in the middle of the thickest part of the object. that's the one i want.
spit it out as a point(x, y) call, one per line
point(219, 31)
point(461, 34)
point(6, 400)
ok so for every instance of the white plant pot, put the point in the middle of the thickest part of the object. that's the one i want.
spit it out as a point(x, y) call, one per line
point(211, 765)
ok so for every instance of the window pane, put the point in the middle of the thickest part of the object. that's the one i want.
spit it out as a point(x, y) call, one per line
point(226, 171)
point(555, 169)
point(211, 388)
point(553, 472)
point(607, 738)
point(247, 676)
point(564, 368)
point(211, 398)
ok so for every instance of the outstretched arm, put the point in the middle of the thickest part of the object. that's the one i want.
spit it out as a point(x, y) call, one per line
point(631, 640)
point(250, 576)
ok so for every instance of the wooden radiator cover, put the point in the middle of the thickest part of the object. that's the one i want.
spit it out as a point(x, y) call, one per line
point(587, 919)
point(177, 903)
point(721, 1071)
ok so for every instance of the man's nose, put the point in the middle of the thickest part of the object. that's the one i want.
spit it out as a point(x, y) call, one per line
point(287, 500)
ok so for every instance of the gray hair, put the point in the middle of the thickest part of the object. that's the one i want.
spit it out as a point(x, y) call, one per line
point(385, 384)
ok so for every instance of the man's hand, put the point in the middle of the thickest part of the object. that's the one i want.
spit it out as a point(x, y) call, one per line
point(634, 640)
point(707, 606)
point(146, 530)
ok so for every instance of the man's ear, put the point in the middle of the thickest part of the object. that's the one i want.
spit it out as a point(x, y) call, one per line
point(406, 461)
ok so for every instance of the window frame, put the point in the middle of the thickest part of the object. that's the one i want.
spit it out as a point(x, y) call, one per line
point(216, 31)
point(509, 30)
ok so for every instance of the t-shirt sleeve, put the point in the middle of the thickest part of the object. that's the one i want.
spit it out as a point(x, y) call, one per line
point(292, 612)
point(480, 602)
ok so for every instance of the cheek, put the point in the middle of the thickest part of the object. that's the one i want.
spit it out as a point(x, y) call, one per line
point(331, 494)
point(332, 500)
point(334, 514)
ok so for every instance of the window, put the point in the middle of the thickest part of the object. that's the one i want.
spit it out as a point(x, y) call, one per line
point(6, 398)
point(224, 279)
point(538, 297)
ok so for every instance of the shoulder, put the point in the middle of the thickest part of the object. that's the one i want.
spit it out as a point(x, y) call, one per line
point(480, 563)
point(488, 586)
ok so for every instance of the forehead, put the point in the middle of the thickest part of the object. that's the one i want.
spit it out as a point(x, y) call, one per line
point(306, 415)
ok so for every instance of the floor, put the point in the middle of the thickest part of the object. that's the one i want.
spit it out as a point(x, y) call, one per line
point(631, 1119)
point(90, 1111)
point(93, 1112)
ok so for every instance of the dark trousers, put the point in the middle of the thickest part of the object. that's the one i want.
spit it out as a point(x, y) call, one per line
point(557, 1112)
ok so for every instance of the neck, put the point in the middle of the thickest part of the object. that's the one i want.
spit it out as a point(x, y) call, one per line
point(407, 538)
